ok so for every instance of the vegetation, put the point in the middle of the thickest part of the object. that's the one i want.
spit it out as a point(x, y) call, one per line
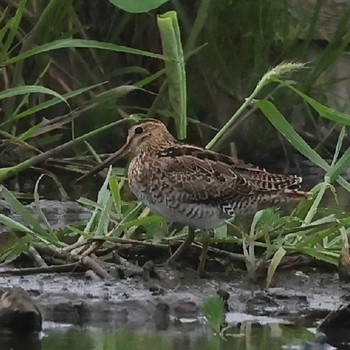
point(65, 79)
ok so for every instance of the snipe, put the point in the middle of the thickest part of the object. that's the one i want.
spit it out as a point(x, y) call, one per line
point(192, 186)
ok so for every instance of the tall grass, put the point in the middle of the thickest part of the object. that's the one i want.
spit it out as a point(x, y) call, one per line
point(60, 79)
point(72, 51)
point(28, 117)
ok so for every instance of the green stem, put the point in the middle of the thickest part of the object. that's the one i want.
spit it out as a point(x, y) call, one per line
point(198, 25)
point(313, 209)
point(233, 119)
point(271, 76)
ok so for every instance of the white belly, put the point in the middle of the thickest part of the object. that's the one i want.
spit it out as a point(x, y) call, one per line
point(204, 217)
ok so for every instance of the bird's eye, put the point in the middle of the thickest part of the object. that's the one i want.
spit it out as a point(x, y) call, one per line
point(138, 130)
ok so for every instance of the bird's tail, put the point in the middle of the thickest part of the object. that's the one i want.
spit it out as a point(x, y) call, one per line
point(296, 194)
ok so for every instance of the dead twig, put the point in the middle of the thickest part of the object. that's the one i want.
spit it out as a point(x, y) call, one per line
point(92, 275)
point(95, 267)
point(36, 256)
point(130, 242)
point(228, 255)
point(37, 270)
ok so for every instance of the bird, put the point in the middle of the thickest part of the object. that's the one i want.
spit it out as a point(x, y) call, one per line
point(193, 186)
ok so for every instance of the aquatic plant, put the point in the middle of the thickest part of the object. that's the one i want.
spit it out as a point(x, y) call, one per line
point(213, 310)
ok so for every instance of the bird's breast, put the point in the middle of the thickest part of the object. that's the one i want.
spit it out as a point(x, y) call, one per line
point(149, 185)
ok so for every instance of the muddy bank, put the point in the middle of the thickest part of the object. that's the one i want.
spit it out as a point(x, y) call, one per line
point(160, 303)
point(175, 298)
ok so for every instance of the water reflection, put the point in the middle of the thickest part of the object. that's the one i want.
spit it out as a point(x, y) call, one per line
point(247, 336)
point(17, 343)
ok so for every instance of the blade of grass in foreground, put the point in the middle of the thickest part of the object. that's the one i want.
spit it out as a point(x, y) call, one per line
point(46, 236)
point(175, 69)
point(282, 125)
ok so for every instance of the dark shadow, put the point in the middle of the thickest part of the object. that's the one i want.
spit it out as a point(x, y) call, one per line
point(17, 342)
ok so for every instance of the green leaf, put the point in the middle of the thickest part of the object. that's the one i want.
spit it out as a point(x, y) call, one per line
point(275, 261)
point(342, 164)
point(323, 255)
point(79, 43)
point(14, 225)
point(15, 21)
point(323, 111)
point(175, 69)
point(88, 202)
point(50, 103)
point(282, 125)
point(115, 189)
point(137, 6)
point(10, 171)
point(35, 226)
point(21, 246)
point(100, 215)
point(143, 221)
point(26, 89)
point(213, 310)
point(220, 232)
point(270, 76)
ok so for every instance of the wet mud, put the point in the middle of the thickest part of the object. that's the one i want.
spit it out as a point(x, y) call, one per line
point(298, 297)
point(170, 299)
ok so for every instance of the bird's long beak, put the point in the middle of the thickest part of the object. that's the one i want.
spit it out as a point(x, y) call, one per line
point(110, 160)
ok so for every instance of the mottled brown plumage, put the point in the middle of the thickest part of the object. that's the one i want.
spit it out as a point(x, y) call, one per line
point(194, 186)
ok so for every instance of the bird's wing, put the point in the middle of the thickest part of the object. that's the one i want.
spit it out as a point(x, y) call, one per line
point(205, 176)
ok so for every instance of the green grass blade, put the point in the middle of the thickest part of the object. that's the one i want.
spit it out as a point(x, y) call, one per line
point(38, 209)
point(15, 225)
point(271, 76)
point(213, 310)
point(115, 190)
point(26, 89)
point(22, 245)
point(10, 171)
point(282, 125)
point(21, 210)
point(275, 261)
point(28, 218)
point(175, 69)
point(342, 164)
point(339, 145)
point(321, 190)
point(54, 101)
point(102, 225)
point(79, 43)
point(104, 200)
point(317, 236)
point(323, 111)
point(15, 21)
point(142, 221)
point(323, 255)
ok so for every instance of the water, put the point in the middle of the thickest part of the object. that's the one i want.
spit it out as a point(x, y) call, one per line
point(247, 336)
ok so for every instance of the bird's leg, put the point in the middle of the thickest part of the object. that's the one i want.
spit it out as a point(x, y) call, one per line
point(188, 241)
point(203, 256)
